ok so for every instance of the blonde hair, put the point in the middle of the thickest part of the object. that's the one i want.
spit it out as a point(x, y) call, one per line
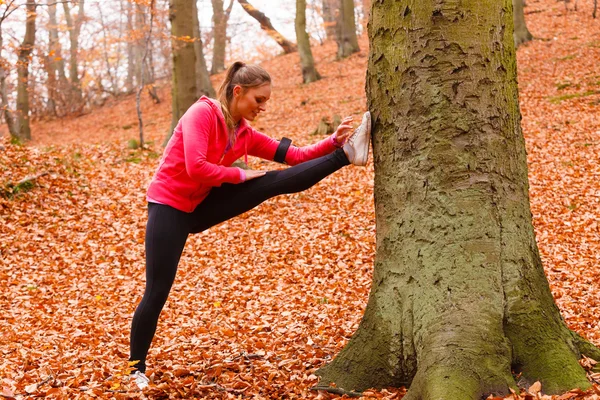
point(239, 74)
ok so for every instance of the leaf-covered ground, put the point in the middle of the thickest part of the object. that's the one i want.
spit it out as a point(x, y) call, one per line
point(260, 302)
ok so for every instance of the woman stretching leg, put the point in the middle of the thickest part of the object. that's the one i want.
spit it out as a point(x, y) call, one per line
point(195, 188)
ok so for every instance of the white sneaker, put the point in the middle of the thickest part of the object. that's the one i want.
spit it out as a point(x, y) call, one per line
point(357, 147)
point(141, 380)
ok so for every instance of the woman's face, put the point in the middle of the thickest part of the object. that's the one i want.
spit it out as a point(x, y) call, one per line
point(248, 103)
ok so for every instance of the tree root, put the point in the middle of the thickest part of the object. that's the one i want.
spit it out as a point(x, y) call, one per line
point(586, 347)
point(339, 391)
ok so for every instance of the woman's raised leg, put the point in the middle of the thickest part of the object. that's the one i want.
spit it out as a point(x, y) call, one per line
point(230, 200)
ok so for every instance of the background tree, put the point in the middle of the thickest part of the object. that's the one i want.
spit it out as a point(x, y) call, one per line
point(330, 9)
point(307, 63)
point(21, 129)
point(220, 19)
point(521, 33)
point(143, 83)
point(7, 9)
point(181, 15)
point(74, 26)
point(55, 65)
point(265, 24)
point(130, 51)
point(459, 298)
point(203, 84)
point(144, 49)
point(346, 38)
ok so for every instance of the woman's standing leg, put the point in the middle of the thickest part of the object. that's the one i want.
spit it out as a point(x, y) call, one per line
point(229, 200)
point(166, 233)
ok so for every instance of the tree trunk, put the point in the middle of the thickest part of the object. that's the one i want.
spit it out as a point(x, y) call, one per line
point(143, 51)
point(138, 97)
point(521, 33)
point(346, 30)
point(22, 130)
point(220, 19)
point(130, 49)
point(329, 21)
point(265, 25)
point(203, 84)
point(181, 15)
point(595, 8)
point(459, 298)
point(76, 98)
point(54, 63)
point(309, 72)
point(4, 106)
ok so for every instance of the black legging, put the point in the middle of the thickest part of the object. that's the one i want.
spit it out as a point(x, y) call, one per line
point(168, 228)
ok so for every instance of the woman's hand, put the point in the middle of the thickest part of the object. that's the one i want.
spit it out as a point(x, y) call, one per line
point(251, 174)
point(343, 130)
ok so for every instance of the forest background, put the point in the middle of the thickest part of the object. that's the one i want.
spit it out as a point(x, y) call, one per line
point(261, 301)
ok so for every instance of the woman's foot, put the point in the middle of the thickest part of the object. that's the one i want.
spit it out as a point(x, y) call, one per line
point(140, 379)
point(357, 147)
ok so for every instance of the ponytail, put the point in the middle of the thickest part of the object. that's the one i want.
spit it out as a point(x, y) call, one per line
point(238, 74)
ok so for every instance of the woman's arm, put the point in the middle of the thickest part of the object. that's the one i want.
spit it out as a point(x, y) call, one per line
point(264, 146)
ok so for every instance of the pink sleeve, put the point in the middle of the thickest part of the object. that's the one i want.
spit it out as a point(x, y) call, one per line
point(263, 146)
point(196, 125)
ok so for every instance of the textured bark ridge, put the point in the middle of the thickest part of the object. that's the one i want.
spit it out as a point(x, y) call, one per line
point(459, 304)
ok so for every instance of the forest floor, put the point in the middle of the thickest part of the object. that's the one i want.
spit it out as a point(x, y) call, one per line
point(261, 301)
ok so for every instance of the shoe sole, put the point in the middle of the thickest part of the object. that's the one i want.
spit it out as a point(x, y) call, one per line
point(364, 162)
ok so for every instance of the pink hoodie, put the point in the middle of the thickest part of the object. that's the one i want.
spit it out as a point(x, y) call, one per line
point(194, 161)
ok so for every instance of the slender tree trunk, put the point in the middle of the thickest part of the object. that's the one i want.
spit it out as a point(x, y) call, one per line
point(22, 130)
point(138, 96)
point(53, 58)
point(203, 83)
point(309, 72)
point(521, 33)
point(130, 49)
point(346, 30)
point(459, 298)
point(4, 106)
point(220, 19)
point(265, 25)
point(181, 15)
point(112, 77)
point(76, 97)
point(595, 8)
point(330, 7)
point(144, 50)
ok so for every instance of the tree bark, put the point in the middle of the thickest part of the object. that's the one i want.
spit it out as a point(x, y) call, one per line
point(76, 98)
point(57, 79)
point(203, 84)
point(459, 298)
point(595, 8)
point(346, 30)
point(130, 49)
point(521, 33)
point(138, 97)
point(265, 25)
point(307, 63)
point(330, 7)
point(181, 15)
point(219, 19)
point(4, 106)
point(22, 129)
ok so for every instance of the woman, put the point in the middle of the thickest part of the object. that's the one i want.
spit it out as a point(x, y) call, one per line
point(195, 186)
